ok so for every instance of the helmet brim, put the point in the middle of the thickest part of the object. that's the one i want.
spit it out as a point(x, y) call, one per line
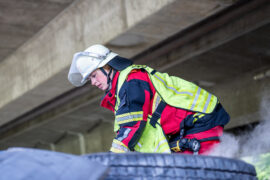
point(119, 63)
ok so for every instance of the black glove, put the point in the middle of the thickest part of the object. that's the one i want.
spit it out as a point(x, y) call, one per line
point(185, 144)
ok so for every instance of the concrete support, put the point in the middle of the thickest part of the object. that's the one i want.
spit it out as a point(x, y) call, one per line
point(80, 140)
point(45, 145)
point(69, 144)
point(247, 100)
point(100, 138)
point(96, 140)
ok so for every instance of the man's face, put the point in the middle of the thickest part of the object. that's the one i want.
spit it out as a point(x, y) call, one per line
point(98, 79)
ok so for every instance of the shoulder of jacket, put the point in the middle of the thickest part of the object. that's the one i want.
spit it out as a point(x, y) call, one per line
point(137, 74)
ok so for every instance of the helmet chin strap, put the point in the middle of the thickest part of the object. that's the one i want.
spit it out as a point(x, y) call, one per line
point(103, 71)
point(109, 80)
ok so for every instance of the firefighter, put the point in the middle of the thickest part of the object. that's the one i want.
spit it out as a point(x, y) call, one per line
point(154, 112)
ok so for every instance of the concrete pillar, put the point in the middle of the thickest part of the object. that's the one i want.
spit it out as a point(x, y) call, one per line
point(100, 138)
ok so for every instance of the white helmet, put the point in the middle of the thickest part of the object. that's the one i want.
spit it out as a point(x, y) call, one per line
point(84, 63)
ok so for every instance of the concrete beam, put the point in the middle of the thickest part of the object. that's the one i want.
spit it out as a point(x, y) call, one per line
point(224, 26)
point(51, 110)
point(49, 52)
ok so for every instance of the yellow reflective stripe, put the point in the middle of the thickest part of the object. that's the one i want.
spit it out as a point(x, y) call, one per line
point(167, 151)
point(119, 146)
point(116, 103)
point(170, 87)
point(115, 141)
point(116, 150)
point(130, 113)
point(210, 103)
point(194, 120)
point(197, 116)
point(129, 117)
point(164, 149)
point(200, 116)
point(137, 66)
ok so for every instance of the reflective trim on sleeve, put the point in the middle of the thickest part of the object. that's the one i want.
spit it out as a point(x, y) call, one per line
point(129, 117)
point(119, 147)
point(156, 102)
point(207, 102)
point(167, 151)
point(139, 145)
point(196, 98)
point(125, 135)
point(115, 150)
point(172, 88)
point(162, 142)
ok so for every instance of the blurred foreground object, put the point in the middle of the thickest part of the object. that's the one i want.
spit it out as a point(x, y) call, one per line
point(32, 164)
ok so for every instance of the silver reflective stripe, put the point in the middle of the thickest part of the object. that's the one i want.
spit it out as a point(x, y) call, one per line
point(125, 135)
point(118, 146)
point(129, 117)
point(139, 145)
point(196, 98)
point(177, 92)
point(160, 143)
point(157, 102)
point(207, 102)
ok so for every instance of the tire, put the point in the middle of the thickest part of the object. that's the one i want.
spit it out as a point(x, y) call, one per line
point(173, 166)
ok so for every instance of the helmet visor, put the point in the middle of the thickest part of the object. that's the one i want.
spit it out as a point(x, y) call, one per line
point(82, 65)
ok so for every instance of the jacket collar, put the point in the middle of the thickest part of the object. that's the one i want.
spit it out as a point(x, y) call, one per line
point(108, 101)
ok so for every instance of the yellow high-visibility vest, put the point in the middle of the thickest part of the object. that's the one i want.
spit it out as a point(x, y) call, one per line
point(175, 92)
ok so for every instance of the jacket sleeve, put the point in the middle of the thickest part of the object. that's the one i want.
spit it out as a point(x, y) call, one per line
point(131, 116)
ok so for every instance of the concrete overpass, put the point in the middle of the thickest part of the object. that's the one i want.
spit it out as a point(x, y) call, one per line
point(222, 45)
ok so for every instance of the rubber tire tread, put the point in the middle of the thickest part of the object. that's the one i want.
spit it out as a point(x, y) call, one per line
point(135, 166)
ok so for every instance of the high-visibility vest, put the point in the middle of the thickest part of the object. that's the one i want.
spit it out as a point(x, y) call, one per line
point(175, 92)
